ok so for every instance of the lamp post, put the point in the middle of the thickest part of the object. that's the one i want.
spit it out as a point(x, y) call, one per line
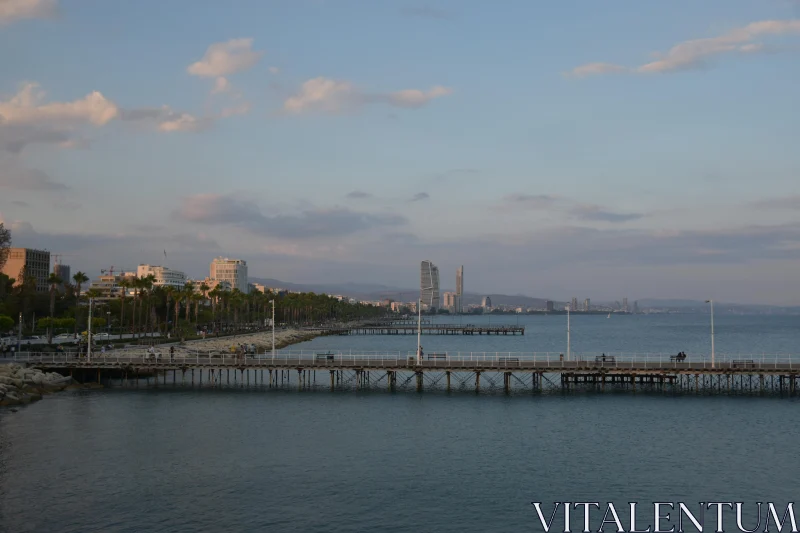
point(712, 331)
point(89, 333)
point(19, 333)
point(273, 327)
point(419, 324)
point(568, 331)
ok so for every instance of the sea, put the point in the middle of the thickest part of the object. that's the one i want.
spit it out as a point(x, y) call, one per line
point(184, 459)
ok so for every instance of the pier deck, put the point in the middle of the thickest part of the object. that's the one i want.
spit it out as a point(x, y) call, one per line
point(399, 371)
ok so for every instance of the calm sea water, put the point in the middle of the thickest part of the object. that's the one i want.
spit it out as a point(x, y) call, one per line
point(181, 460)
point(667, 334)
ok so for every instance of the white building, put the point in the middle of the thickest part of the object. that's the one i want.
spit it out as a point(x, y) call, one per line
point(429, 284)
point(165, 277)
point(234, 271)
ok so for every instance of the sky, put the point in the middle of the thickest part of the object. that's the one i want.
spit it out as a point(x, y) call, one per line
point(555, 148)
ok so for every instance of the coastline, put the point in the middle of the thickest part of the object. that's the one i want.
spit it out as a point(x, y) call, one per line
point(262, 340)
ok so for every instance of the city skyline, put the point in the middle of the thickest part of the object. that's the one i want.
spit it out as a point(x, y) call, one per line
point(602, 151)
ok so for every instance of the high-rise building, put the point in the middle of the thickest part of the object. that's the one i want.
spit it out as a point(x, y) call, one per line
point(459, 305)
point(32, 263)
point(549, 306)
point(625, 305)
point(587, 305)
point(429, 284)
point(234, 271)
point(486, 303)
point(450, 301)
point(165, 277)
point(573, 306)
point(635, 308)
point(63, 272)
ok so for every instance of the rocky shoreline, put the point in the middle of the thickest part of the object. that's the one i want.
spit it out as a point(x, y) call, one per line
point(20, 385)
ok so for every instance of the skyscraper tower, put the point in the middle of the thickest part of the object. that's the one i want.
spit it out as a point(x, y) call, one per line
point(459, 289)
point(429, 284)
point(625, 304)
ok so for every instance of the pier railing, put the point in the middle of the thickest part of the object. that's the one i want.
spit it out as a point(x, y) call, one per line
point(440, 360)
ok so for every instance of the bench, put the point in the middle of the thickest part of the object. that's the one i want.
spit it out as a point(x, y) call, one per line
point(605, 359)
point(744, 363)
point(328, 356)
point(437, 356)
point(677, 358)
point(508, 360)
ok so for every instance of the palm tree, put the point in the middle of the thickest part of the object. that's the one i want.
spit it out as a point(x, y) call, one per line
point(79, 278)
point(188, 292)
point(54, 281)
point(169, 292)
point(125, 284)
point(214, 295)
point(147, 286)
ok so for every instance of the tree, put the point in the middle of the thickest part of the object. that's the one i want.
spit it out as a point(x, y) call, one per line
point(5, 244)
point(6, 323)
point(79, 278)
point(54, 281)
point(188, 292)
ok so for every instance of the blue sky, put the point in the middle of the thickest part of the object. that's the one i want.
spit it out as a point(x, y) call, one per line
point(556, 149)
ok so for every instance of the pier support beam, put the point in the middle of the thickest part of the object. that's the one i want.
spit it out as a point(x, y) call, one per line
point(477, 382)
point(507, 382)
point(448, 380)
point(419, 381)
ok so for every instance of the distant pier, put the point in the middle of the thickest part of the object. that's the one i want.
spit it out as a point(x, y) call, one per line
point(427, 329)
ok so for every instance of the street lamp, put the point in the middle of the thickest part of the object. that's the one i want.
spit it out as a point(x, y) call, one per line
point(568, 340)
point(89, 333)
point(273, 327)
point(712, 331)
point(419, 324)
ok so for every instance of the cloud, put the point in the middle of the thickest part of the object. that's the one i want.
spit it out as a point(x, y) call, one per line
point(15, 138)
point(310, 223)
point(358, 195)
point(221, 85)
point(791, 203)
point(593, 69)
point(167, 119)
point(20, 203)
point(599, 214)
point(696, 52)
point(16, 178)
point(27, 107)
point(13, 10)
point(420, 196)
point(222, 59)
point(530, 201)
point(427, 12)
point(569, 207)
point(324, 95)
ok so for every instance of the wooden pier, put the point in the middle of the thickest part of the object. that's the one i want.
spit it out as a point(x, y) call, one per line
point(427, 329)
point(507, 373)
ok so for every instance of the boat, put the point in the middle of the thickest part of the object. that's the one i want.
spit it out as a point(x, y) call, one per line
point(609, 315)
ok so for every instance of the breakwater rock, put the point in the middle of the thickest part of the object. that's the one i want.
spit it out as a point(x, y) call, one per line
point(21, 385)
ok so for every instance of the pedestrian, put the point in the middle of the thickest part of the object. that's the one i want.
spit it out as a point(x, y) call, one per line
point(171, 353)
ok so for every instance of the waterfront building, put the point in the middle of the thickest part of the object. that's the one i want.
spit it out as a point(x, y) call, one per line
point(450, 300)
point(234, 271)
point(109, 285)
point(573, 306)
point(260, 287)
point(63, 272)
point(165, 277)
point(625, 305)
point(587, 305)
point(429, 285)
point(211, 284)
point(35, 263)
point(486, 303)
point(549, 306)
point(635, 308)
point(459, 303)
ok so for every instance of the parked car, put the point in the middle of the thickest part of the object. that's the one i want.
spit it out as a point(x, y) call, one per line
point(101, 335)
